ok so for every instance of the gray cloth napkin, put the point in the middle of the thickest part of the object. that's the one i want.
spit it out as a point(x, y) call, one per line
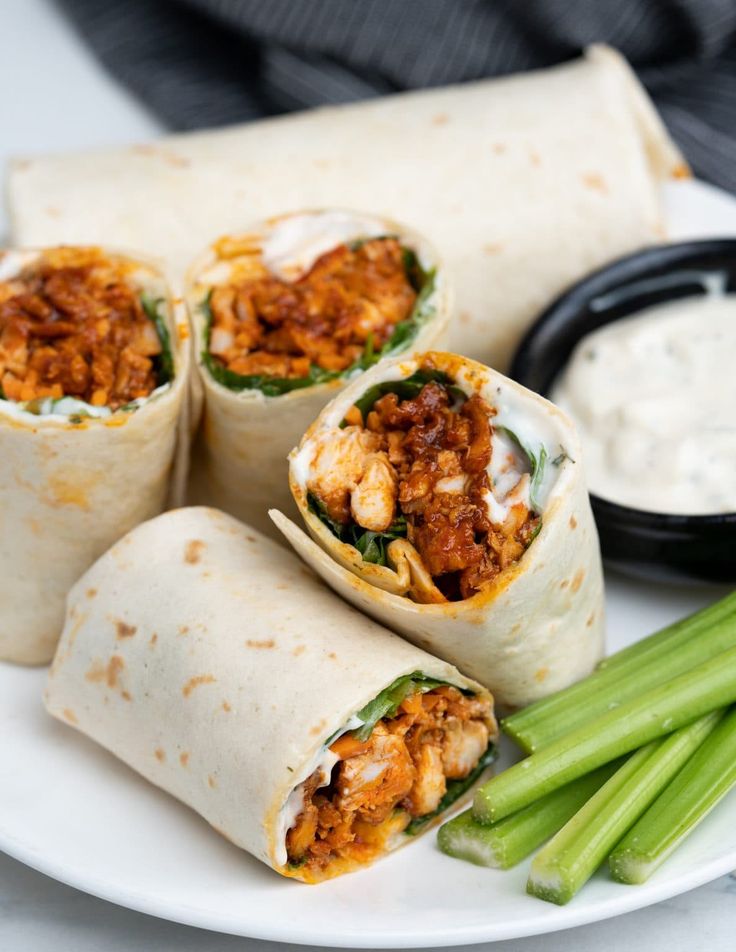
point(201, 63)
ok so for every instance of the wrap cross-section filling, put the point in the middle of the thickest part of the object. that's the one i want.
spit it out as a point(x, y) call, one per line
point(74, 324)
point(411, 766)
point(418, 477)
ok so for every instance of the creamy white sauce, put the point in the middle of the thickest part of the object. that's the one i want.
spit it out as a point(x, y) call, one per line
point(293, 243)
point(654, 398)
point(323, 761)
point(61, 409)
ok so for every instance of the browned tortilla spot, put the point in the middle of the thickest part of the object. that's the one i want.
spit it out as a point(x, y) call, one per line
point(114, 667)
point(499, 148)
point(266, 643)
point(595, 181)
point(153, 639)
point(577, 580)
point(69, 715)
point(573, 522)
point(108, 673)
point(590, 620)
point(226, 707)
point(160, 755)
point(540, 674)
point(184, 758)
point(91, 592)
point(211, 781)
point(123, 630)
point(300, 649)
point(535, 158)
point(126, 695)
point(251, 538)
point(193, 551)
point(564, 583)
point(441, 119)
point(183, 629)
point(332, 655)
point(193, 683)
point(318, 728)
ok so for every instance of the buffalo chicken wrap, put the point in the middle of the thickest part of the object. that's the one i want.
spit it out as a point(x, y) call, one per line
point(286, 315)
point(210, 660)
point(93, 369)
point(449, 503)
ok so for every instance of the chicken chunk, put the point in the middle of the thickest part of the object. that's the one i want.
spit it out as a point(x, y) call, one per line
point(373, 782)
point(373, 501)
point(340, 460)
point(430, 785)
point(463, 744)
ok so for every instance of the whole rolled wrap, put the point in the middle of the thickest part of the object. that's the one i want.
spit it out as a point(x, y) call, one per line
point(75, 476)
point(213, 662)
point(250, 422)
point(524, 183)
point(534, 627)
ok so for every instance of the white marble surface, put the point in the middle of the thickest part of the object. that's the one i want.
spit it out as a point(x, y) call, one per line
point(61, 100)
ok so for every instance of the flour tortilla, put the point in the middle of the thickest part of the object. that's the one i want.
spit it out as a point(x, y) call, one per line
point(240, 460)
point(523, 184)
point(67, 492)
point(214, 663)
point(540, 625)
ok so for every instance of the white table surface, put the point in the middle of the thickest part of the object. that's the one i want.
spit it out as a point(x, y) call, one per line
point(57, 98)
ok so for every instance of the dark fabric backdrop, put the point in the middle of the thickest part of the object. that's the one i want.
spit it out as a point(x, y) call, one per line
point(199, 63)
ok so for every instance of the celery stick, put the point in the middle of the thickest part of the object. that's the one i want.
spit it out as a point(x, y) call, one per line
point(704, 780)
point(627, 674)
point(658, 711)
point(505, 843)
point(569, 860)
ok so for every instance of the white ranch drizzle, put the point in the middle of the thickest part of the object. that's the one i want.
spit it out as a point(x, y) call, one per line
point(654, 398)
point(293, 243)
point(324, 760)
point(61, 409)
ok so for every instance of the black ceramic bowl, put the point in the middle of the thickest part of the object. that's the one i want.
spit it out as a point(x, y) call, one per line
point(646, 544)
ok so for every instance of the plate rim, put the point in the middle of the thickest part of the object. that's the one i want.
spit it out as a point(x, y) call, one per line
point(629, 900)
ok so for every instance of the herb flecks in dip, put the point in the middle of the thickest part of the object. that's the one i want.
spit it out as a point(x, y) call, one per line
point(654, 399)
point(73, 324)
point(325, 319)
point(412, 474)
point(391, 775)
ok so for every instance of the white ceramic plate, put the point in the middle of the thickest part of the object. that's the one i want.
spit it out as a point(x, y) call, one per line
point(72, 811)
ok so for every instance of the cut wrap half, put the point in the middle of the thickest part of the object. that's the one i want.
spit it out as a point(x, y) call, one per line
point(94, 361)
point(285, 316)
point(210, 660)
point(449, 503)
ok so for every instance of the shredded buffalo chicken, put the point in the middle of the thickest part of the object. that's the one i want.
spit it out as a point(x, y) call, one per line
point(72, 325)
point(404, 765)
point(277, 328)
point(426, 460)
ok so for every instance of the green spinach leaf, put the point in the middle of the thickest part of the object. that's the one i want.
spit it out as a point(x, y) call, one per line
point(403, 334)
point(164, 362)
point(371, 545)
point(388, 701)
